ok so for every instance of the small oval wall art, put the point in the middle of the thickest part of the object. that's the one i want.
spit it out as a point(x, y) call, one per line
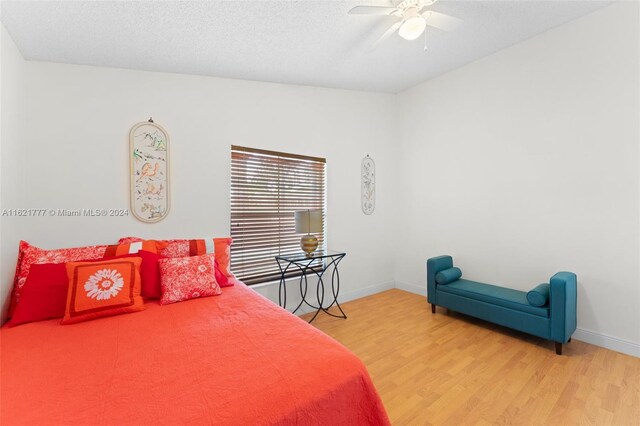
point(368, 173)
point(149, 159)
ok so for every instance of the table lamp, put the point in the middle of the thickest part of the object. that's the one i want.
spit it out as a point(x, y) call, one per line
point(308, 221)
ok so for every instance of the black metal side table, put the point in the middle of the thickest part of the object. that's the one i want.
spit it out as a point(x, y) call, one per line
point(317, 263)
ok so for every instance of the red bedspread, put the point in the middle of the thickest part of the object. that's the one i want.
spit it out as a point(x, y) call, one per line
point(232, 359)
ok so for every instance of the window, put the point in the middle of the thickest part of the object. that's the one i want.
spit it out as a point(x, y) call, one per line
point(267, 187)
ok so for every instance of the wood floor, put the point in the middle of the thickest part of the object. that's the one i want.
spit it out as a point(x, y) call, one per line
point(451, 369)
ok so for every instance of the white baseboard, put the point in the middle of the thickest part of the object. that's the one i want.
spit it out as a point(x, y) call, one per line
point(608, 342)
point(353, 295)
point(270, 291)
point(367, 291)
point(587, 336)
point(412, 288)
point(304, 310)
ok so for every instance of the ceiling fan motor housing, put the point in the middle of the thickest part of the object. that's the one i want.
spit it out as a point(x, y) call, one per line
point(405, 5)
point(411, 12)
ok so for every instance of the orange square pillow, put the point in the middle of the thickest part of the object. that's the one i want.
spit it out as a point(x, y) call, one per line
point(133, 247)
point(103, 288)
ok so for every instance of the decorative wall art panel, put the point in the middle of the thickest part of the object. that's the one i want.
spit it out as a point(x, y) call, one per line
point(368, 172)
point(149, 145)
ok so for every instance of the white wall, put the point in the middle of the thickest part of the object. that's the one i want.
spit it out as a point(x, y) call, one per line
point(76, 156)
point(3, 289)
point(526, 162)
point(519, 165)
point(11, 125)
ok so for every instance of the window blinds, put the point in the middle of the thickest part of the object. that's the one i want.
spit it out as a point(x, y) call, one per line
point(267, 187)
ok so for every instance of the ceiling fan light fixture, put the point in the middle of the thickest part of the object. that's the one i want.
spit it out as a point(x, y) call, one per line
point(412, 28)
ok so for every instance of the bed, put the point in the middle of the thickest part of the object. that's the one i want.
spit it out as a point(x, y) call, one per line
point(232, 359)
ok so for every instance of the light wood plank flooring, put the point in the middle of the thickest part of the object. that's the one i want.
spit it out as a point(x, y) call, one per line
point(451, 369)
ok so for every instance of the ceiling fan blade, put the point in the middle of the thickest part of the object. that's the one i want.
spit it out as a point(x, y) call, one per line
point(441, 21)
point(372, 10)
point(386, 35)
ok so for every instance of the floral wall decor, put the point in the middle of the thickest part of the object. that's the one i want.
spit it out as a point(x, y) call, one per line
point(368, 174)
point(149, 158)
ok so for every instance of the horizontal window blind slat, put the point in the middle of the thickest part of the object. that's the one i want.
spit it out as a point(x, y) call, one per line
point(243, 168)
point(248, 171)
point(250, 165)
point(252, 239)
point(266, 182)
point(267, 187)
point(262, 176)
point(254, 190)
point(268, 271)
point(300, 191)
point(263, 163)
point(261, 267)
point(261, 251)
point(270, 244)
point(260, 235)
point(267, 200)
point(243, 150)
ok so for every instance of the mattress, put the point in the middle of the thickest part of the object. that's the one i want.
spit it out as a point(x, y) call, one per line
point(232, 359)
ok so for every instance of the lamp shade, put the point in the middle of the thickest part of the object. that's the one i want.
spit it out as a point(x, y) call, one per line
point(308, 221)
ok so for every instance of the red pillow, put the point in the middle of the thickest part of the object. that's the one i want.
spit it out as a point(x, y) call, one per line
point(149, 272)
point(223, 254)
point(44, 294)
point(185, 278)
point(222, 279)
point(29, 255)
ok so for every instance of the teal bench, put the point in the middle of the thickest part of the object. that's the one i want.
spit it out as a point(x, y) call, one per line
point(547, 311)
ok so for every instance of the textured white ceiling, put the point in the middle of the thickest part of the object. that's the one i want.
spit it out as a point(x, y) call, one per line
point(294, 42)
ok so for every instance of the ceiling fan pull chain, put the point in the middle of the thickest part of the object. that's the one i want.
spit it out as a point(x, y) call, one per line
point(425, 41)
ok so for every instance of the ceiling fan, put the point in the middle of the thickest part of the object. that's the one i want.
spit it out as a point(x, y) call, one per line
point(413, 16)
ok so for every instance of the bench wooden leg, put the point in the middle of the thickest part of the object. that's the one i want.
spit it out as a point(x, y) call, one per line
point(433, 308)
point(558, 348)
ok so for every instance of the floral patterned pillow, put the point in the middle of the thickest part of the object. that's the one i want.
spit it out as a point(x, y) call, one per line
point(221, 247)
point(184, 278)
point(104, 288)
point(28, 255)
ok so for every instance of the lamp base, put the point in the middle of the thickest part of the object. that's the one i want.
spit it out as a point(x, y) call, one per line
point(308, 244)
